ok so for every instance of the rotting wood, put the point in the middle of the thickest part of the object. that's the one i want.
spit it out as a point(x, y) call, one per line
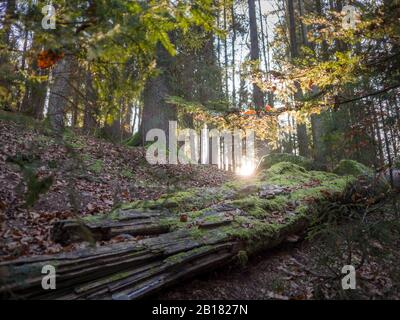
point(171, 251)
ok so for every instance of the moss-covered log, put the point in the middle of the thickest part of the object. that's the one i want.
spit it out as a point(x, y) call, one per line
point(219, 225)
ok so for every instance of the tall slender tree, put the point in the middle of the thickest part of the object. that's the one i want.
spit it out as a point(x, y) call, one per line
point(258, 98)
point(301, 128)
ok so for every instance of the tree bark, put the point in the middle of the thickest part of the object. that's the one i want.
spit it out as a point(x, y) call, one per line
point(156, 111)
point(294, 52)
point(233, 56)
point(317, 126)
point(59, 93)
point(6, 68)
point(258, 96)
point(89, 116)
point(226, 60)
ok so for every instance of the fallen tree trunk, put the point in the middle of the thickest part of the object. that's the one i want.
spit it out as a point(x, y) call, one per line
point(225, 225)
point(131, 222)
point(130, 270)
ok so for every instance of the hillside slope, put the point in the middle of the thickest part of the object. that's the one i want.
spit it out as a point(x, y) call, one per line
point(89, 176)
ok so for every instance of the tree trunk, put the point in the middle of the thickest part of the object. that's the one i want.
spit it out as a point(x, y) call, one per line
point(126, 125)
point(7, 22)
point(233, 57)
point(294, 53)
point(263, 37)
point(6, 68)
point(317, 126)
point(35, 95)
point(156, 111)
point(318, 129)
point(387, 143)
point(89, 116)
point(301, 128)
point(59, 93)
point(258, 97)
point(226, 60)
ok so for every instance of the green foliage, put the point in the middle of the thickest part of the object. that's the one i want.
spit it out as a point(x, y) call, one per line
point(396, 163)
point(286, 168)
point(352, 167)
point(126, 173)
point(336, 61)
point(114, 41)
point(96, 167)
point(73, 140)
point(134, 141)
point(35, 185)
point(351, 230)
point(20, 119)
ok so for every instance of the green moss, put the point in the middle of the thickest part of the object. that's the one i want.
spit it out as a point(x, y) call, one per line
point(276, 203)
point(126, 173)
point(286, 174)
point(254, 232)
point(287, 168)
point(352, 167)
point(86, 157)
point(274, 158)
point(322, 175)
point(174, 223)
point(251, 205)
point(238, 184)
point(97, 166)
point(197, 233)
point(182, 201)
point(94, 218)
point(289, 174)
point(302, 210)
point(263, 220)
point(211, 218)
point(177, 258)
point(337, 184)
point(73, 140)
point(248, 228)
point(260, 208)
point(113, 215)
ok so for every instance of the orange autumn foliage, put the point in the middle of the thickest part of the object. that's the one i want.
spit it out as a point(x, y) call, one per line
point(48, 58)
point(249, 112)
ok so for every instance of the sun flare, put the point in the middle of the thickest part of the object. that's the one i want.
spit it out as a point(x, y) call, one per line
point(247, 169)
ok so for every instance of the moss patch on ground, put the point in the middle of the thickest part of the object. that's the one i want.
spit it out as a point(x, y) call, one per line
point(352, 167)
point(271, 159)
point(182, 201)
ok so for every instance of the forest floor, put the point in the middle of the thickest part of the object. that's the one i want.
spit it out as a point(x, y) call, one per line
point(300, 269)
point(94, 179)
point(97, 175)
